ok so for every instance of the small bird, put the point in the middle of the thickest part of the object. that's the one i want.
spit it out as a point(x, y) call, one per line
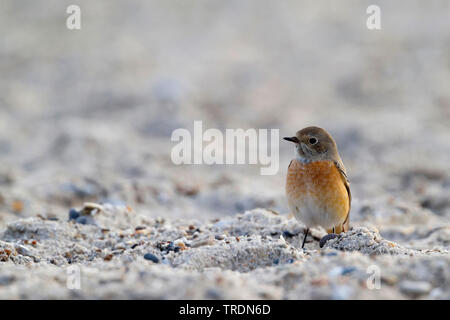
point(317, 186)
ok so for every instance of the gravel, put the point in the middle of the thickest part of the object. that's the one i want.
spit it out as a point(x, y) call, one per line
point(253, 256)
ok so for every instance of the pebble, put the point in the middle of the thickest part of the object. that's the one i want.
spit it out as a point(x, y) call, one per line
point(205, 241)
point(172, 247)
point(214, 294)
point(151, 257)
point(288, 234)
point(108, 257)
point(85, 220)
point(73, 214)
point(348, 270)
point(7, 280)
point(327, 237)
point(415, 288)
point(23, 250)
point(82, 220)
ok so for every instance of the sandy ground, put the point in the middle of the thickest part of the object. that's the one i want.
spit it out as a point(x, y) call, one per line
point(86, 116)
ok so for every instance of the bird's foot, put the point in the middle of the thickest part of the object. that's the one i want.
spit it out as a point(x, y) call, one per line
point(326, 238)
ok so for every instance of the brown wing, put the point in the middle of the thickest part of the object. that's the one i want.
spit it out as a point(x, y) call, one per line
point(343, 172)
point(290, 163)
point(291, 215)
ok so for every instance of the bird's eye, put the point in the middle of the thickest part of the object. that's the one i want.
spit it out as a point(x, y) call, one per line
point(313, 140)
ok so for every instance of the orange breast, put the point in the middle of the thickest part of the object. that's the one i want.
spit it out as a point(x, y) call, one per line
point(321, 184)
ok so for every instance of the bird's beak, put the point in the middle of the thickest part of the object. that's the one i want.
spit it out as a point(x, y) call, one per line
point(292, 139)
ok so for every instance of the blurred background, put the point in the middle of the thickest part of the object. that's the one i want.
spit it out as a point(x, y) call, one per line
point(87, 115)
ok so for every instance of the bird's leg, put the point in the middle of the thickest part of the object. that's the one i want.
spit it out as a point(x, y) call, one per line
point(304, 239)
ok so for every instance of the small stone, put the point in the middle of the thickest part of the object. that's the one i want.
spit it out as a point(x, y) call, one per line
point(415, 288)
point(23, 250)
point(172, 247)
point(85, 220)
point(181, 245)
point(214, 294)
point(143, 231)
point(205, 241)
point(389, 279)
point(348, 270)
point(120, 246)
point(91, 207)
point(7, 280)
point(187, 190)
point(288, 234)
point(108, 257)
point(151, 257)
point(73, 214)
point(327, 237)
point(82, 220)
